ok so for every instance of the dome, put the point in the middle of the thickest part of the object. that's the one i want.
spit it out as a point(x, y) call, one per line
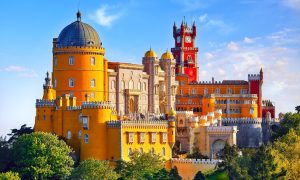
point(150, 53)
point(78, 34)
point(172, 112)
point(167, 55)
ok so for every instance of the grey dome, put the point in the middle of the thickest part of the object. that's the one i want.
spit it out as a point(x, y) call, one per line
point(78, 34)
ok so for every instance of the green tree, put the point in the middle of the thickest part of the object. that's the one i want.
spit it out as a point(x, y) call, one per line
point(297, 108)
point(174, 175)
point(93, 169)
point(41, 155)
point(162, 174)
point(199, 176)
point(196, 154)
point(140, 166)
point(16, 133)
point(9, 176)
point(290, 121)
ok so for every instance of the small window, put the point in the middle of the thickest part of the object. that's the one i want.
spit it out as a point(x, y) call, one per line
point(217, 91)
point(205, 91)
point(93, 61)
point(86, 138)
point(92, 95)
point(130, 85)
point(44, 117)
point(153, 137)
point(141, 150)
point(163, 151)
point(54, 83)
point(193, 91)
point(145, 86)
point(79, 134)
point(181, 121)
point(251, 110)
point(71, 60)
point(71, 82)
point(130, 137)
point(55, 61)
point(113, 84)
point(164, 137)
point(93, 83)
point(152, 150)
point(69, 135)
point(142, 137)
point(229, 91)
point(85, 122)
point(139, 86)
point(122, 85)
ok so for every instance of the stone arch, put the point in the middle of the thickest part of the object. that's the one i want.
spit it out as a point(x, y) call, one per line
point(216, 147)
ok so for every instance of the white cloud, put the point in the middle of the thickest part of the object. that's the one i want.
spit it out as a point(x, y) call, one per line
point(248, 40)
point(233, 46)
point(20, 71)
point(104, 15)
point(208, 56)
point(294, 4)
point(219, 25)
point(202, 18)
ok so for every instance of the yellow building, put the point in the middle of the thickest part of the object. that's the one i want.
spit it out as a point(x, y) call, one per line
point(75, 103)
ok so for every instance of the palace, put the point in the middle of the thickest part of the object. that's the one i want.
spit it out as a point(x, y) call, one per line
point(106, 110)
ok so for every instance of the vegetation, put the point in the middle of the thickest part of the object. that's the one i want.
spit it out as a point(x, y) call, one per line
point(9, 176)
point(94, 169)
point(199, 176)
point(174, 175)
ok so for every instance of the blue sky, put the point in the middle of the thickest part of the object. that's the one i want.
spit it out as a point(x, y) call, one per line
point(234, 38)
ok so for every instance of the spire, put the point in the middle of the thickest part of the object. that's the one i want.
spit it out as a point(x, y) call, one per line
point(174, 24)
point(78, 14)
point(194, 24)
point(47, 81)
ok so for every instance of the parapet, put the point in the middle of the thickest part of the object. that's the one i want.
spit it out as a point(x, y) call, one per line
point(137, 123)
point(253, 77)
point(242, 120)
point(221, 129)
point(97, 105)
point(196, 161)
point(44, 103)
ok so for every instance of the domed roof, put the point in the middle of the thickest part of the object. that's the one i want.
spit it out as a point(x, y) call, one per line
point(167, 55)
point(172, 112)
point(150, 53)
point(78, 34)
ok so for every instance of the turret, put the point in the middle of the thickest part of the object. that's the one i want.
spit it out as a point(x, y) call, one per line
point(194, 30)
point(49, 92)
point(261, 74)
point(182, 29)
point(174, 30)
point(172, 127)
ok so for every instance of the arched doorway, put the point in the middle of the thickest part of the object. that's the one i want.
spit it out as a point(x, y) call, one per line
point(217, 146)
point(131, 106)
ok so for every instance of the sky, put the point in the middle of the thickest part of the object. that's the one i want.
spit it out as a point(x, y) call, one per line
point(235, 38)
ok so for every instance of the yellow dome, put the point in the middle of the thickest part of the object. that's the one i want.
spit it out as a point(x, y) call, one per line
point(172, 112)
point(167, 55)
point(150, 53)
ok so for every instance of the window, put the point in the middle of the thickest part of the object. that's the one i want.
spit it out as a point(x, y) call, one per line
point(139, 86)
point(71, 82)
point(129, 151)
point(181, 121)
point(193, 91)
point(85, 122)
point(142, 137)
point(79, 134)
point(69, 135)
point(80, 117)
point(130, 137)
point(93, 61)
point(86, 138)
point(205, 91)
point(44, 117)
point(130, 85)
point(141, 150)
point(251, 110)
point(92, 95)
point(153, 137)
point(165, 137)
point(163, 151)
point(152, 150)
point(243, 91)
point(54, 83)
point(190, 101)
point(113, 84)
point(55, 61)
point(229, 91)
point(156, 70)
point(93, 83)
point(217, 91)
point(122, 85)
point(145, 86)
point(181, 92)
point(71, 60)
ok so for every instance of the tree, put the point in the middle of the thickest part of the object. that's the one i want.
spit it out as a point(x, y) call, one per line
point(93, 169)
point(140, 166)
point(162, 174)
point(290, 121)
point(197, 154)
point(297, 108)
point(174, 175)
point(9, 176)
point(199, 176)
point(41, 155)
point(16, 133)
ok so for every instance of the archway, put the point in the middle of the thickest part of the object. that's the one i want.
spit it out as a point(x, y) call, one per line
point(131, 106)
point(217, 146)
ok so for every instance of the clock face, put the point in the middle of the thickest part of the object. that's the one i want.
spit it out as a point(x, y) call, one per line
point(188, 39)
point(178, 39)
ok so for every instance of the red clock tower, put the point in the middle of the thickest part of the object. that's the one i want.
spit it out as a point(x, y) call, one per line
point(185, 51)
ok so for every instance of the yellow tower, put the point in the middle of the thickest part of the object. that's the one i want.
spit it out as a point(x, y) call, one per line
point(79, 68)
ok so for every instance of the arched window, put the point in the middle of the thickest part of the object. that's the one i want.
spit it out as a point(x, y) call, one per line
point(229, 91)
point(152, 150)
point(113, 84)
point(139, 86)
point(217, 91)
point(71, 60)
point(145, 86)
point(79, 134)
point(163, 151)
point(44, 117)
point(122, 85)
point(193, 91)
point(130, 84)
point(141, 150)
point(181, 121)
point(129, 151)
point(54, 83)
point(86, 138)
point(71, 82)
point(93, 61)
point(93, 83)
point(205, 91)
point(69, 135)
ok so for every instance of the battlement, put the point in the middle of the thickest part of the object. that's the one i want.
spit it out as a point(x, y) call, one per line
point(253, 77)
point(138, 123)
point(195, 161)
point(185, 113)
point(72, 108)
point(242, 120)
point(44, 103)
point(236, 95)
point(97, 105)
point(221, 129)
